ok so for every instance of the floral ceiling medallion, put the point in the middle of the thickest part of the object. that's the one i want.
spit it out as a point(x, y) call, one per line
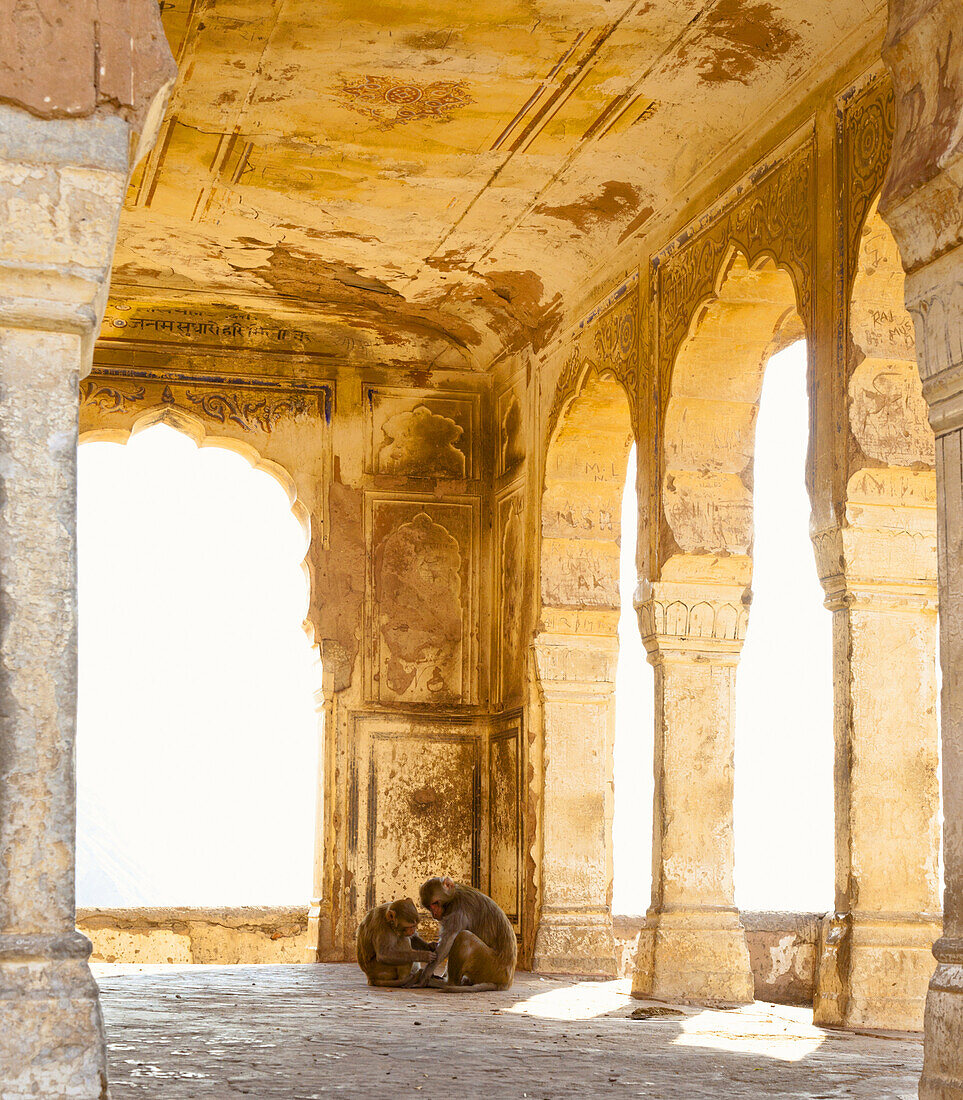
point(391, 102)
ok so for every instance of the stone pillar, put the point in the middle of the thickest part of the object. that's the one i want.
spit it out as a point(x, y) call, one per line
point(693, 945)
point(923, 206)
point(320, 946)
point(876, 961)
point(62, 184)
point(576, 675)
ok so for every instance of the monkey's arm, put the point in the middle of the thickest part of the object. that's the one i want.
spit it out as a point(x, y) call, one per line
point(450, 928)
point(420, 945)
point(393, 951)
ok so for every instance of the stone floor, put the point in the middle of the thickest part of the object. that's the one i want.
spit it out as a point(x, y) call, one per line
point(296, 1032)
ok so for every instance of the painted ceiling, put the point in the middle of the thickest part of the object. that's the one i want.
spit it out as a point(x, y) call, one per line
point(405, 181)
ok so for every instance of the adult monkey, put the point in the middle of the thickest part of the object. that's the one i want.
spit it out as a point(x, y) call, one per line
point(476, 938)
point(387, 945)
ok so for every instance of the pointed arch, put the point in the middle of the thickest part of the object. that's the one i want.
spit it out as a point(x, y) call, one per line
point(711, 407)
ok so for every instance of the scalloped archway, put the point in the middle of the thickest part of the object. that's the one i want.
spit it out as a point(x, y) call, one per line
point(223, 676)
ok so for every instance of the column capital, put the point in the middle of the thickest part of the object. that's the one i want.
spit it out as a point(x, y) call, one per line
point(568, 664)
point(934, 298)
point(875, 568)
point(76, 115)
point(920, 199)
point(96, 57)
point(921, 193)
point(62, 185)
point(698, 620)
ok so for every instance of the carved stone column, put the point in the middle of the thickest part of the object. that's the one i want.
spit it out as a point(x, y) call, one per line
point(693, 946)
point(576, 676)
point(881, 588)
point(923, 206)
point(62, 184)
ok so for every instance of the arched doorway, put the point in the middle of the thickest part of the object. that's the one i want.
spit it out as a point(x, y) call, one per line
point(694, 613)
point(784, 690)
point(576, 652)
point(198, 737)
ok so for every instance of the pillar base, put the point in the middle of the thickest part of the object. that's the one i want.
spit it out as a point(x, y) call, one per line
point(51, 1028)
point(579, 942)
point(943, 1046)
point(321, 946)
point(874, 972)
point(693, 956)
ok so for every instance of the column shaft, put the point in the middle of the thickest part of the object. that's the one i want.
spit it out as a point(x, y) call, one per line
point(877, 961)
point(943, 1027)
point(922, 204)
point(693, 946)
point(49, 1012)
point(62, 185)
point(577, 680)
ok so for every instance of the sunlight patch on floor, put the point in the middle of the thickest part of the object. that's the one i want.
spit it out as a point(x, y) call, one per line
point(582, 1000)
point(786, 1034)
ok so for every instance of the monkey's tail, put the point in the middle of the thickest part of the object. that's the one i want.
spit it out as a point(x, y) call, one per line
point(480, 987)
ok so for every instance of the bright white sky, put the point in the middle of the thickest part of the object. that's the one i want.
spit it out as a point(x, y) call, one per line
point(784, 704)
point(197, 742)
point(197, 739)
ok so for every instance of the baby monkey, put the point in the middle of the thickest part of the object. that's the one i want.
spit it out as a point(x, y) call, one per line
point(388, 945)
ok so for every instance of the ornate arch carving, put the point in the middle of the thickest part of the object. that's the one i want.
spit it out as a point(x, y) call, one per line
point(772, 215)
point(607, 341)
point(865, 124)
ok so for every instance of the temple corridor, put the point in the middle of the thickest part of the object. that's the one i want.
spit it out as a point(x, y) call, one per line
point(439, 270)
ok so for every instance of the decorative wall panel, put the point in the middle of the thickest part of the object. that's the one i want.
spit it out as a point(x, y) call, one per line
point(423, 805)
point(510, 567)
point(421, 600)
point(419, 433)
point(511, 433)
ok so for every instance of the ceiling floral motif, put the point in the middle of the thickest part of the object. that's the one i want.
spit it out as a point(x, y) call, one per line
point(391, 102)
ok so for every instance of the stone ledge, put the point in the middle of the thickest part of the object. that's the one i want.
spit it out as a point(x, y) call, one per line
point(245, 934)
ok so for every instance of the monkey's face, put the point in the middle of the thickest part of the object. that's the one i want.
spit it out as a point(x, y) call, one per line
point(436, 894)
point(404, 917)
